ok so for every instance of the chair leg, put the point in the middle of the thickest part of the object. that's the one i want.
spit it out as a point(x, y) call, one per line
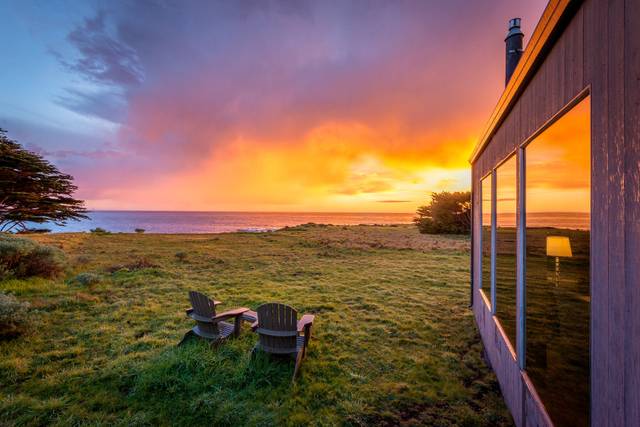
point(304, 347)
point(307, 338)
point(186, 336)
point(297, 367)
point(254, 351)
point(237, 326)
point(216, 343)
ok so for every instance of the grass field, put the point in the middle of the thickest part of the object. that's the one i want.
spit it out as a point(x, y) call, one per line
point(393, 342)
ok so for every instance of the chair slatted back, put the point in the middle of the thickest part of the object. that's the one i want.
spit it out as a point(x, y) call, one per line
point(204, 307)
point(277, 328)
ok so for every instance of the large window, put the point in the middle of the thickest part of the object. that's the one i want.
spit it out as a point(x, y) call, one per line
point(506, 205)
point(557, 266)
point(485, 283)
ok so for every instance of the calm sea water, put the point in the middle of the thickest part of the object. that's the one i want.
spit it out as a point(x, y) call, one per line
point(218, 222)
point(572, 220)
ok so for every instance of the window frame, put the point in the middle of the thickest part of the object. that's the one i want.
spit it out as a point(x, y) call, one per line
point(519, 353)
point(522, 244)
point(488, 299)
point(512, 346)
point(521, 256)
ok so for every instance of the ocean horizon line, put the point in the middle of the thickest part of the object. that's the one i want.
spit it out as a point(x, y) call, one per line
point(219, 221)
point(255, 212)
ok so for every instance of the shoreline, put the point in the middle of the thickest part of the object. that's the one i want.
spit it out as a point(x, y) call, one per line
point(248, 230)
point(214, 222)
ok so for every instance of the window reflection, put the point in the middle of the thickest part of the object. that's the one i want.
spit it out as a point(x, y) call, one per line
point(557, 266)
point(506, 206)
point(485, 283)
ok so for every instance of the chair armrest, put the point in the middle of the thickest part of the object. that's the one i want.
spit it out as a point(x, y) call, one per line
point(250, 316)
point(305, 322)
point(216, 303)
point(228, 314)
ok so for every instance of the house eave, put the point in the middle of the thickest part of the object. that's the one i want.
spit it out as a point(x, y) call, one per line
point(543, 37)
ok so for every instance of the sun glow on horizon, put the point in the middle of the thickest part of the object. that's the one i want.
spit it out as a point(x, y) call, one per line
point(320, 175)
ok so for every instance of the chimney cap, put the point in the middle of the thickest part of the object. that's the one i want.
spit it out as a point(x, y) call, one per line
point(514, 27)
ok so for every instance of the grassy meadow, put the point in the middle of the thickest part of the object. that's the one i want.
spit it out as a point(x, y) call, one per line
point(393, 341)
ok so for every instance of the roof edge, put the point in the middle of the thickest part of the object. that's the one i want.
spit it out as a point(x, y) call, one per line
point(544, 34)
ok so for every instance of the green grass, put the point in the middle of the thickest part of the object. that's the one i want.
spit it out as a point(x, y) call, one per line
point(393, 343)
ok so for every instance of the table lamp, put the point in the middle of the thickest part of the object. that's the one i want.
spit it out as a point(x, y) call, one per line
point(558, 246)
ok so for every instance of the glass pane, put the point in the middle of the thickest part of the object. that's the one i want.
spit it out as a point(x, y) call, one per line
point(558, 204)
point(506, 247)
point(485, 283)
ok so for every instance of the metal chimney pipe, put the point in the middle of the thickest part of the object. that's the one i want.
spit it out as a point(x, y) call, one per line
point(514, 43)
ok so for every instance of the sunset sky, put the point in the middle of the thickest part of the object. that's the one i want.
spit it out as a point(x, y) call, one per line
point(559, 174)
point(259, 105)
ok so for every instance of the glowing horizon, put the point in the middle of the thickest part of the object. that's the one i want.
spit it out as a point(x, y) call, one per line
point(256, 107)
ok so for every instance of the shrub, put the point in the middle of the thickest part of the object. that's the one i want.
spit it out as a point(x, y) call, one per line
point(82, 259)
point(140, 230)
point(141, 263)
point(99, 230)
point(20, 257)
point(181, 256)
point(87, 279)
point(448, 213)
point(14, 316)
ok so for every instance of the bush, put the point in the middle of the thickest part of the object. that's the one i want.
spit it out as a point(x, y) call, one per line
point(20, 257)
point(87, 279)
point(140, 264)
point(448, 213)
point(139, 230)
point(99, 230)
point(181, 256)
point(82, 259)
point(14, 316)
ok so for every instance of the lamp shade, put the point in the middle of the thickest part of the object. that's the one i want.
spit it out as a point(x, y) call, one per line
point(558, 246)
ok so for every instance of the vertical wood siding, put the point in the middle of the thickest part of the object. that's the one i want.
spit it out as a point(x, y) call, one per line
point(615, 203)
point(596, 72)
point(632, 211)
point(599, 48)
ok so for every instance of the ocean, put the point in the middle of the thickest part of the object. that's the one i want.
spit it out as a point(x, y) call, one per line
point(217, 222)
point(569, 220)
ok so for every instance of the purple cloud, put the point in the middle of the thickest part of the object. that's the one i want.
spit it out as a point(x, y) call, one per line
point(103, 58)
point(106, 104)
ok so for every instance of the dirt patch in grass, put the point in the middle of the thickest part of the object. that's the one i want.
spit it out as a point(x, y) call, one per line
point(139, 263)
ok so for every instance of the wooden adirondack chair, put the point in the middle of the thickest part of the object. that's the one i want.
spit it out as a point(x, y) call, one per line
point(209, 325)
point(280, 332)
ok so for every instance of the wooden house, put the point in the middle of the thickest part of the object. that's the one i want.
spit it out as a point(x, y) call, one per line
point(556, 219)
